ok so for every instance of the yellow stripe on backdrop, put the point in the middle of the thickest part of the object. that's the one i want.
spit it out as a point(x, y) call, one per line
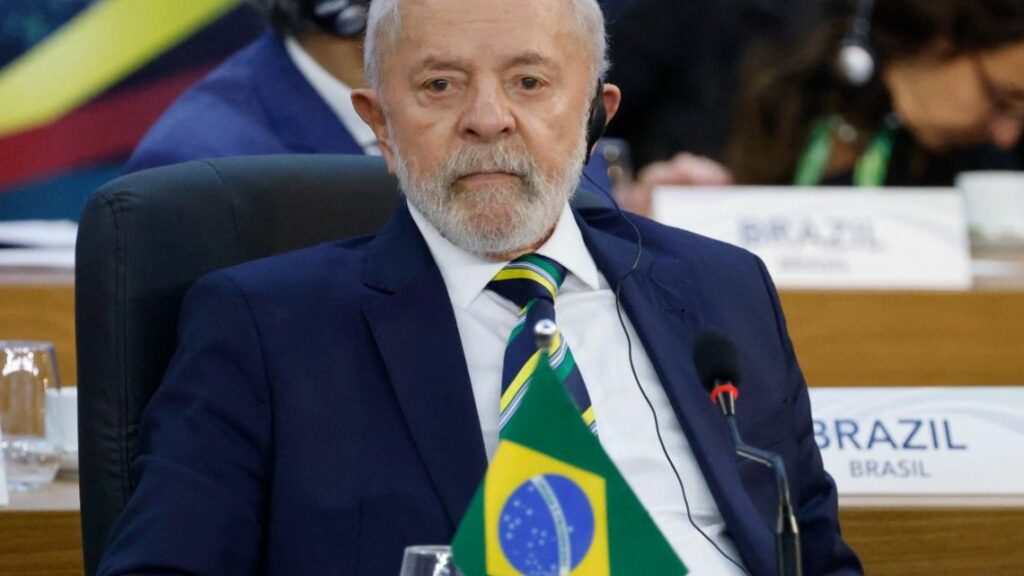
point(98, 48)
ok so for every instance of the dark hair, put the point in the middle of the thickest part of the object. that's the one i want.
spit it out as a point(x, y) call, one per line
point(902, 28)
point(784, 90)
point(286, 17)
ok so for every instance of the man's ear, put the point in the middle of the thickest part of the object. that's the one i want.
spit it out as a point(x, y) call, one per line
point(612, 97)
point(370, 108)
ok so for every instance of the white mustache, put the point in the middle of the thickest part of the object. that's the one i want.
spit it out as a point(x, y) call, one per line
point(488, 159)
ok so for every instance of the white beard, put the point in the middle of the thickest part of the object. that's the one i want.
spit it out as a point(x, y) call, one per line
point(496, 219)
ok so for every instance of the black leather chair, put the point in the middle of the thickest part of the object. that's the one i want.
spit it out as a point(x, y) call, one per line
point(143, 240)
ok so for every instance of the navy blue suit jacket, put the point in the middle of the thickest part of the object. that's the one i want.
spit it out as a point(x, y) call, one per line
point(318, 415)
point(256, 102)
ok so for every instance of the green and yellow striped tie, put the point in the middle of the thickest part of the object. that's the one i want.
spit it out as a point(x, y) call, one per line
point(531, 282)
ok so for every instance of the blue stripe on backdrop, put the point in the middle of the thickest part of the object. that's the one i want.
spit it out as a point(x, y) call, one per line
point(62, 197)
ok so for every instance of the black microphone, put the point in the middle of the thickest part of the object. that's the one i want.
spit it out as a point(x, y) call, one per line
point(717, 362)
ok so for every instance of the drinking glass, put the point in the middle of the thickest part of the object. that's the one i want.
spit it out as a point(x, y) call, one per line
point(428, 561)
point(27, 370)
point(994, 201)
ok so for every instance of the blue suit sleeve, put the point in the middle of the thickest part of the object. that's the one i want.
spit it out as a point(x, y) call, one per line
point(204, 462)
point(822, 546)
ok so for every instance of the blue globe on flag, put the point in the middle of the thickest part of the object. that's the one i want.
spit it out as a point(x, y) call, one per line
point(546, 526)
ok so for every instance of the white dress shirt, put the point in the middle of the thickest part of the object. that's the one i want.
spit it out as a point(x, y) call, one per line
point(336, 94)
point(586, 315)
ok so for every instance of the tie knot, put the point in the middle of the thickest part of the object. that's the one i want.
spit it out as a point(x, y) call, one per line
point(527, 278)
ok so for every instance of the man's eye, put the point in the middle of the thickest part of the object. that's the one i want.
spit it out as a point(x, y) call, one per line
point(530, 83)
point(439, 85)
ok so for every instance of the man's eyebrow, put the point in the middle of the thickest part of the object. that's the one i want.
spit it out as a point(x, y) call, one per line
point(530, 59)
point(442, 63)
point(436, 63)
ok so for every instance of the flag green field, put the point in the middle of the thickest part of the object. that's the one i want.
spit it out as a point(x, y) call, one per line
point(553, 503)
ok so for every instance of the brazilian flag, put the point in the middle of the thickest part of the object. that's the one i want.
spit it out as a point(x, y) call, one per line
point(553, 503)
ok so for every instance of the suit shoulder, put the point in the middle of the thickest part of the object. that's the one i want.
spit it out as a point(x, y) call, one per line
point(334, 269)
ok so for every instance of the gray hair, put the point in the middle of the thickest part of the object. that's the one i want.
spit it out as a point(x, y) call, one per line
point(384, 24)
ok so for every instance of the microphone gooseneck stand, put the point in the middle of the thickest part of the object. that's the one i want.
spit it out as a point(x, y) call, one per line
point(787, 532)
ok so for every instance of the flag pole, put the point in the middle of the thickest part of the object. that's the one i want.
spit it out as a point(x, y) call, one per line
point(545, 331)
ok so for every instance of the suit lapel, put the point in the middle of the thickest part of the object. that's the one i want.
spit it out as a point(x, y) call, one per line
point(661, 304)
point(415, 329)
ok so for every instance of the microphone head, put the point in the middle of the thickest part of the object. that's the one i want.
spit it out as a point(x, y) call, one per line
point(856, 64)
point(716, 358)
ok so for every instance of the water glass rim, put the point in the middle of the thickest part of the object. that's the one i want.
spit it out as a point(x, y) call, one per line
point(429, 548)
point(25, 344)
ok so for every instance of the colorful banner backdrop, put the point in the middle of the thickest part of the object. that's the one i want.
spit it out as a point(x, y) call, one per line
point(77, 101)
point(553, 502)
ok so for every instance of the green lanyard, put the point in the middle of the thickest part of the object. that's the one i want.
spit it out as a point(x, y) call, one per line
point(870, 170)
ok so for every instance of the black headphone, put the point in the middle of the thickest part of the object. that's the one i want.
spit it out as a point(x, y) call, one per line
point(342, 18)
point(598, 119)
point(855, 62)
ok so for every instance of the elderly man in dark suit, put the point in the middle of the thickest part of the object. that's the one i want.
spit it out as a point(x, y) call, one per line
point(330, 406)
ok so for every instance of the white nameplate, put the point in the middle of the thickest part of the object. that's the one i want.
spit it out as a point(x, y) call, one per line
point(922, 441)
point(834, 237)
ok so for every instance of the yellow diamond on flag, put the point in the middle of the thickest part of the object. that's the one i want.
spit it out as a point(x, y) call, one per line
point(553, 504)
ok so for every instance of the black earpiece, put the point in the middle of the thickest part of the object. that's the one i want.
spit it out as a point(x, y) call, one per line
point(598, 119)
point(342, 18)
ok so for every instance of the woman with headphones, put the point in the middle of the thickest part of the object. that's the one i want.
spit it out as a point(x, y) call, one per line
point(906, 92)
point(877, 93)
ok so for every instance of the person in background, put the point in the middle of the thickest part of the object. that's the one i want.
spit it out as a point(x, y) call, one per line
point(678, 62)
point(288, 92)
point(946, 94)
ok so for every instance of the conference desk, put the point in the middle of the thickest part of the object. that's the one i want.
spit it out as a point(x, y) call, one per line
point(41, 532)
point(885, 338)
point(843, 338)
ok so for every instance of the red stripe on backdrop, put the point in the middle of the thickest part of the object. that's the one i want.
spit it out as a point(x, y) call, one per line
point(106, 128)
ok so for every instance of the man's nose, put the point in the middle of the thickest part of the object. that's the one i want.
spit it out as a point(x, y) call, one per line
point(1005, 130)
point(488, 116)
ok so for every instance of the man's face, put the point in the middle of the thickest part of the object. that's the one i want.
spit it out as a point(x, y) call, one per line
point(481, 112)
point(962, 101)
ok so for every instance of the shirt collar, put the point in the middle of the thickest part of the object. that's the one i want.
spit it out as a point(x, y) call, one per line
point(335, 93)
point(467, 274)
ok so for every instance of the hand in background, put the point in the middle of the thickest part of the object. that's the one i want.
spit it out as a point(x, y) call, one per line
point(684, 169)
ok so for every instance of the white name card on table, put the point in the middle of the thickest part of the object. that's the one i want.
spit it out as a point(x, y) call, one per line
point(834, 237)
point(922, 441)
